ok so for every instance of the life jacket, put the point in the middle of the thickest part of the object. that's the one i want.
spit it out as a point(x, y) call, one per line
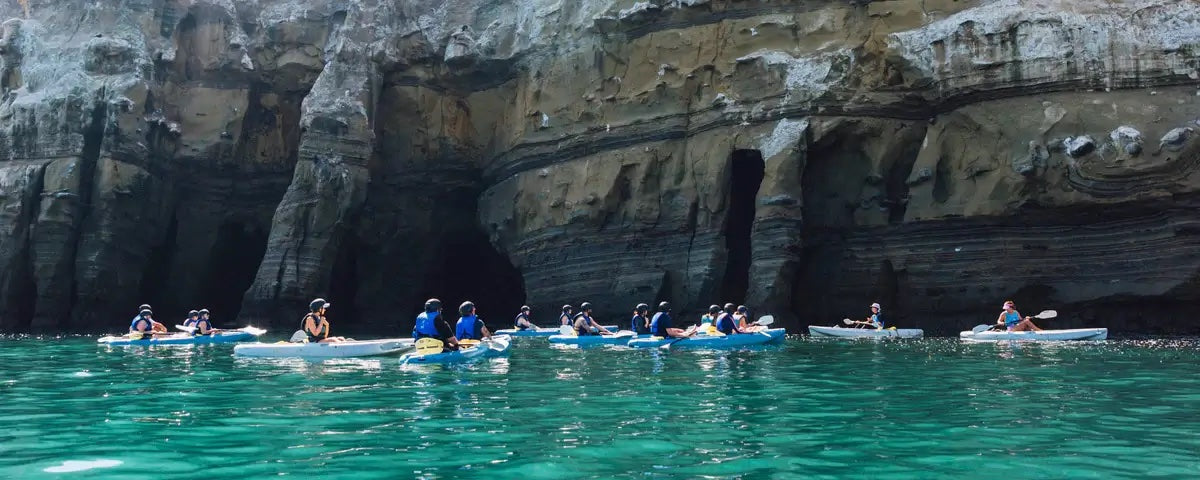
point(303, 328)
point(564, 319)
point(584, 328)
point(878, 319)
point(199, 331)
point(191, 323)
point(639, 323)
point(134, 324)
point(1011, 319)
point(725, 323)
point(469, 328)
point(517, 321)
point(425, 326)
point(660, 324)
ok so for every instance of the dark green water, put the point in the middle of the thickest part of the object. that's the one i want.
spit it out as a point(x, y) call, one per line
point(807, 409)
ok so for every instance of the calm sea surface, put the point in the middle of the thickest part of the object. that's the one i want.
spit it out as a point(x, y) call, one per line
point(924, 409)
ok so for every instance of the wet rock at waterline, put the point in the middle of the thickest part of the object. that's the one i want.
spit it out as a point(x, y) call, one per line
point(805, 158)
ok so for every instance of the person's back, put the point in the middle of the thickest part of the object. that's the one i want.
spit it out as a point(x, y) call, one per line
point(660, 323)
point(469, 325)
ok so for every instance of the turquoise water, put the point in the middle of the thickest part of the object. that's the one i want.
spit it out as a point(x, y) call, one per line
point(806, 409)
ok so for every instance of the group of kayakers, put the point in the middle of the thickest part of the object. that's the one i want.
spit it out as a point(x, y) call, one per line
point(197, 322)
point(1010, 319)
point(728, 320)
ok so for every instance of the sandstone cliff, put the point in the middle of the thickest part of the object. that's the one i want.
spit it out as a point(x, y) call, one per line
point(805, 157)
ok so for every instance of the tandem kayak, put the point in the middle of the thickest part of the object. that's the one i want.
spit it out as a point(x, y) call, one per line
point(230, 336)
point(495, 346)
point(838, 332)
point(620, 338)
point(713, 341)
point(350, 348)
point(539, 332)
point(1042, 336)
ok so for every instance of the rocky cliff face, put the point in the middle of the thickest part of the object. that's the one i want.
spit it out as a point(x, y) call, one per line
point(803, 157)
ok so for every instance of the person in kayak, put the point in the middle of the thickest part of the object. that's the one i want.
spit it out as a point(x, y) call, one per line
point(432, 324)
point(585, 325)
point(203, 324)
point(522, 321)
point(876, 317)
point(726, 322)
point(742, 317)
point(314, 324)
point(470, 326)
point(640, 324)
point(192, 317)
point(144, 323)
point(1012, 320)
point(565, 318)
point(660, 326)
point(709, 319)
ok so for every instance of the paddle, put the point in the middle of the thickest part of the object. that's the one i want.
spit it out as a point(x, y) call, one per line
point(566, 330)
point(623, 334)
point(299, 337)
point(185, 328)
point(429, 345)
point(765, 320)
point(1045, 315)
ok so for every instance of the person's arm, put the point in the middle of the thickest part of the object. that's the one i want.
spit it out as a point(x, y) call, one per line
point(603, 331)
point(158, 327)
point(1000, 321)
point(445, 331)
point(483, 328)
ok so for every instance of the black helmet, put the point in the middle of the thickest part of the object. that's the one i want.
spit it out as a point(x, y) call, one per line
point(729, 307)
point(742, 309)
point(524, 308)
point(567, 308)
point(143, 307)
point(433, 305)
point(664, 307)
point(465, 308)
point(193, 313)
point(144, 312)
point(642, 308)
point(714, 308)
point(204, 311)
point(585, 306)
point(318, 304)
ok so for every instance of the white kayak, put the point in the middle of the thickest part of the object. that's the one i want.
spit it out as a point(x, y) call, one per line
point(839, 332)
point(539, 331)
point(620, 338)
point(712, 341)
point(1042, 336)
point(351, 348)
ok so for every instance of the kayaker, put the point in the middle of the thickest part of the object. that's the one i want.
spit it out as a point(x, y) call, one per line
point(661, 324)
point(144, 323)
point(565, 318)
point(640, 324)
point(1011, 319)
point(709, 319)
point(585, 325)
point(522, 321)
point(144, 310)
point(192, 318)
point(432, 324)
point(314, 324)
point(470, 326)
point(203, 324)
point(876, 317)
point(742, 317)
point(726, 323)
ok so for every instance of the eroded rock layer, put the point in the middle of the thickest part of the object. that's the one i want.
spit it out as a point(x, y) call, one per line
point(804, 157)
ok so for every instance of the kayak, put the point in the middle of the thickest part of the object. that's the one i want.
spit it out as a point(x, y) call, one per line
point(622, 338)
point(231, 336)
point(838, 332)
point(350, 348)
point(539, 332)
point(1042, 336)
point(713, 341)
point(495, 346)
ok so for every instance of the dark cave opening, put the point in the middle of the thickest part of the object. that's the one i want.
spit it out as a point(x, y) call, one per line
point(156, 278)
point(234, 261)
point(746, 175)
point(470, 268)
point(344, 283)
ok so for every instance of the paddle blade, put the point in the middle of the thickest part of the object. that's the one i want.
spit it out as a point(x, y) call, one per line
point(254, 330)
point(427, 345)
point(184, 328)
point(299, 337)
point(623, 334)
point(566, 330)
point(765, 320)
point(980, 328)
point(848, 321)
point(1046, 314)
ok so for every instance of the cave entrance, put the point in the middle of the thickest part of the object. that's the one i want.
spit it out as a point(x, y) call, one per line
point(469, 268)
point(236, 255)
point(157, 274)
point(747, 169)
point(344, 283)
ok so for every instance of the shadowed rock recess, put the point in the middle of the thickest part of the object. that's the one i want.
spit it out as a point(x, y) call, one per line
point(803, 157)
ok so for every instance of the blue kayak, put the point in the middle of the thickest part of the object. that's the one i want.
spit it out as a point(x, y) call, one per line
point(713, 341)
point(621, 338)
point(231, 336)
point(487, 348)
point(539, 332)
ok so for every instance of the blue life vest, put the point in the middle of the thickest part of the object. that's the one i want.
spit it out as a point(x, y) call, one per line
point(638, 323)
point(190, 323)
point(660, 324)
point(134, 324)
point(517, 321)
point(725, 324)
point(1011, 319)
point(877, 319)
point(468, 328)
point(207, 325)
point(586, 328)
point(425, 326)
